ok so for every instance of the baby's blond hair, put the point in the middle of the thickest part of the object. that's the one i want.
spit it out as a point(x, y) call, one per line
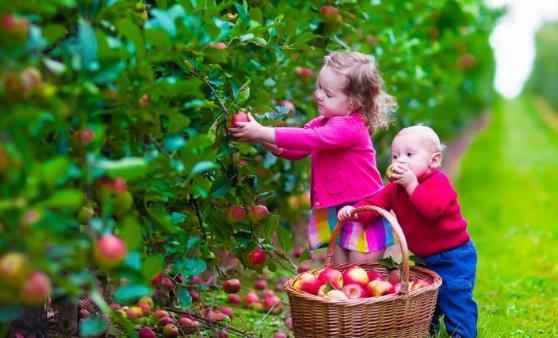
point(428, 134)
point(364, 87)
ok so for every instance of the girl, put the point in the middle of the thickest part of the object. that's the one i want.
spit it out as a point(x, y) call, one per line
point(352, 104)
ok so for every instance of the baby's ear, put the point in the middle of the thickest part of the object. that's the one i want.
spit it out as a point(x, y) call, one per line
point(436, 161)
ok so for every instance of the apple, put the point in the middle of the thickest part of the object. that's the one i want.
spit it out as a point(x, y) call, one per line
point(373, 275)
point(355, 274)
point(467, 61)
point(274, 303)
point(14, 28)
point(170, 331)
point(147, 301)
point(394, 276)
point(303, 267)
point(250, 299)
point(307, 282)
point(389, 171)
point(288, 104)
point(256, 259)
point(115, 306)
point(144, 308)
point(235, 214)
point(227, 311)
point(396, 287)
point(234, 299)
point(279, 334)
point(258, 213)
point(14, 268)
point(293, 202)
point(305, 200)
point(167, 283)
point(332, 276)
point(131, 315)
point(36, 289)
point(238, 117)
point(195, 296)
point(260, 284)
point(298, 251)
point(197, 279)
point(110, 251)
point(289, 323)
point(83, 137)
point(419, 283)
point(336, 294)
point(231, 286)
point(354, 291)
point(304, 72)
point(222, 334)
point(166, 320)
point(324, 289)
point(188, 325)
point(378, 288)
point(146, 332)
point(115, 193)
point(137, 310)
point(218, 45)
point(331, 15)
point(160, 314)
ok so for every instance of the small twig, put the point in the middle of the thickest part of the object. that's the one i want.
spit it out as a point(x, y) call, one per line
point(198, 215)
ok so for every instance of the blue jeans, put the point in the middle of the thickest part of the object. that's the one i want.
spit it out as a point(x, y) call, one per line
point(458, 268)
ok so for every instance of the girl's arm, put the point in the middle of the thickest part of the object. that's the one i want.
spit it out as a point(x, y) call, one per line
point(288, 154)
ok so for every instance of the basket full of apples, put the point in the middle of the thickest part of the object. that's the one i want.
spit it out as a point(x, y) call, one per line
point(364, 300)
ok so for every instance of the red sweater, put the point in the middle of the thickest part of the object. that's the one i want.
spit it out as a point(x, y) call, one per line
point(430, 218)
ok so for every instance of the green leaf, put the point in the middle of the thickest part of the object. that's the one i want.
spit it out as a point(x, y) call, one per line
point(88, 45)
point(131, 292)
point(191, 267)
point(221, 187)
point(133, 34)
point(203, 166)
point(128, 168)
point(151, 266)
point(53, 32)
point(92, 327)
point(131, 233)
point(285, 238)
point(66, 198)
point(53, 169)
point(184, 297)
point(271, 226)
point(10, 312)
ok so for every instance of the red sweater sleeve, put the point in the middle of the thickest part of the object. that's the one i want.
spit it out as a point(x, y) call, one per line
point(383, 199)
point(432, 197)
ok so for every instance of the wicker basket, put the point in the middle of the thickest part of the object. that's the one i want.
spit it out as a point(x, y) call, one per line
point(406, 314)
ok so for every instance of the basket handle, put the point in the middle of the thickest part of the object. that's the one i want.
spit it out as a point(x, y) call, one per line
point(398, 233)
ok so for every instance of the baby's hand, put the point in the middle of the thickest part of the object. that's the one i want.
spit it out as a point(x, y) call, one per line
point(345, 213)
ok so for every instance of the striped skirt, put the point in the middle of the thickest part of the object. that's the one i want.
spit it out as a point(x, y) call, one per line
point(355, 236)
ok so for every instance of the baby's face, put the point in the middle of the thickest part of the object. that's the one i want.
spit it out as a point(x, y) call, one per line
point(415, 150)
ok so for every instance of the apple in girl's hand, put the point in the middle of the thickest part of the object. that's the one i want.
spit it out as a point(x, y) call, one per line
point(333, 276)
point(353, 291)
point(378, 288)
point(307, 282)
point(419, 283)
point(239, 117)
point(355, 274)
point(231, 286)
point(336, 294)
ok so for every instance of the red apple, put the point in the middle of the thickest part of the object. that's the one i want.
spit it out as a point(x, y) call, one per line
point(227, 311)
point(146, 332)
point(110, 251)
point(274, 303)
point(234, 299)
point(251, 299)
point(419, 283)
point(215, 316)
point(354, 291)
point(394, 276)
point(14, 268)
point(218, 45)
point(396, 287)
point(13, 27)
point(195, 296)
point(268, 293)
point(289, 323)
point(222, 334)
point(160, 314)
point(378, 288)
point(304, 72)
point(114, 192)
point(307, 282)
point(324, 289)
point(260, 284)
point(303, 267)
point(145, 309)
point(355, 274)
point(256, 259)
point(147, 301)
point(336, 294)
point(170, 331)
point(298, 251)
point(188, 325)
point(279, 334)
point(83, 137)
point(167, 283)
point(235, 214)
point(258, 213)
point(373, 275)
point(164, 321)
point(131, 315)
point(238, 117)
point(332, 276)
point(231, 286)
point(330, 14)
point(36, 289)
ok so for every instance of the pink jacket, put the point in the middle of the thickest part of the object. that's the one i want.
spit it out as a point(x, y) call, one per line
point(343, 159)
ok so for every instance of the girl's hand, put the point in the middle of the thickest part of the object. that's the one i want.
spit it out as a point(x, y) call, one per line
point(345, 213)
point(252, 132)
point(403, 176)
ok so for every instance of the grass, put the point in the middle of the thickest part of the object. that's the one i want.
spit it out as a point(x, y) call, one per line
point(507, 183)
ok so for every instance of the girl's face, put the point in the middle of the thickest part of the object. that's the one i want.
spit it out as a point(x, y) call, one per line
point(415, 151)
point(329, 94)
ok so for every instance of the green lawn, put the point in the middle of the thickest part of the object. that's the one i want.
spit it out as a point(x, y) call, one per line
point(507, 183)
